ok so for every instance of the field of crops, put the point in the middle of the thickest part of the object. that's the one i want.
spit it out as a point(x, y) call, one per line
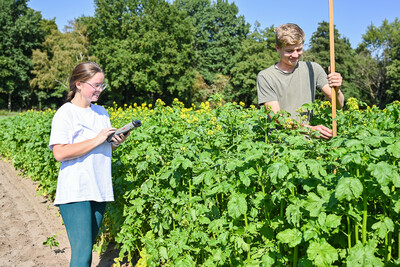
point(217, 186)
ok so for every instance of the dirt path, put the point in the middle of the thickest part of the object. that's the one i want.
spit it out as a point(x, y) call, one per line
point(26, 221)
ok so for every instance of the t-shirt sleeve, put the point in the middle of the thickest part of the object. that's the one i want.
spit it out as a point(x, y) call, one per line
point(265, 91)
point(320, 76)
point(60, 130)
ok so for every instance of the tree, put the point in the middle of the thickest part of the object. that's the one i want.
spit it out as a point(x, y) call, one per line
point(369, 77)
point(219, 33)
point(384, 43)
point(145, 48)
point(20, 32)
point(53, 64)
point(257, 52)
point(345, 64)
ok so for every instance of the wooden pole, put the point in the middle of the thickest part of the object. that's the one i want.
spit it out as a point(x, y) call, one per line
point(332, 55)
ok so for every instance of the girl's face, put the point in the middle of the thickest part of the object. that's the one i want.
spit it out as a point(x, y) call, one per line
point(91, 89)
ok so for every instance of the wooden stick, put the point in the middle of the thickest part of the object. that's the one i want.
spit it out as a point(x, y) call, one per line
point(332, 55)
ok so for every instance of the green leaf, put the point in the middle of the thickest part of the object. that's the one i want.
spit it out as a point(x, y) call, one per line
point(316, 168)
point(237, 205)
point(348, 188)
point(267, 261)
point(353, 143)
point(277, 171)
point(374, 141)
point(293, 214)
point(352, 157)
point(185, 261)
point(383, 227)
point(241, 244)
point(383, 172)
point(292, 237)
point(333, 221)
point(360, 255)
point(302, 167)
point(163, 253)
point(394, 149)
point(314, 204)
point(233, 164)
point(204, 176)
point(322, 253)
point(310, 233)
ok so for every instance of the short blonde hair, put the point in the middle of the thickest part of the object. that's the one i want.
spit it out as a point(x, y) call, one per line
point(289, 34)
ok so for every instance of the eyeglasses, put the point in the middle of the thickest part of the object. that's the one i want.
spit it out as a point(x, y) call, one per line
point(97, 86)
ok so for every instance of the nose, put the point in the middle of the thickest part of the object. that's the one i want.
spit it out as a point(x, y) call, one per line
point(295, 54)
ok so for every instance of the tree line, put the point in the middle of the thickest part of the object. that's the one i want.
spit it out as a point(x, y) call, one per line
point(192, 50)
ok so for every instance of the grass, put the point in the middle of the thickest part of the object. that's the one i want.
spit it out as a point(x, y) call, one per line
point(5, 113)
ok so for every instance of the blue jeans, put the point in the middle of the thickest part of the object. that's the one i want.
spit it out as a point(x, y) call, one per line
point(82, 221)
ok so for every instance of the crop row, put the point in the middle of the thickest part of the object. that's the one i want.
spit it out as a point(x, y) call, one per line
point(222, 186)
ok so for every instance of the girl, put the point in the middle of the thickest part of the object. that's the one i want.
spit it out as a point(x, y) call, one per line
point(78, 140)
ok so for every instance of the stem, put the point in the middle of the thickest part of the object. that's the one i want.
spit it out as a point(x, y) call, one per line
point(356, 233)
point(348, 232)
point(365, 211)
point(295, 255)
point(388, 240)
point(190, 193)
point(365, 216)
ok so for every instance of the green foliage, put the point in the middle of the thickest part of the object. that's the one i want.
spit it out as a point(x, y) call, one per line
point(52, 65)
point(51, 242)
point(20, 32)
point(146, 48)
point(345, 64)
point(384, 43)
point(257, 52)
point(206, 187)
point(219, 32)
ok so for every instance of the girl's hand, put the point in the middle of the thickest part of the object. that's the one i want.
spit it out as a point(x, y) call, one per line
point(119, 139)
point(104, 133)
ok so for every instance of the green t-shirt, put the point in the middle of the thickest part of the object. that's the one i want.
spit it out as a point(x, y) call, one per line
point(291, 90)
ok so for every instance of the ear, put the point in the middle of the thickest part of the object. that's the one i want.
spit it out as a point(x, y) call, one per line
point(277, 48)
point(78, 85)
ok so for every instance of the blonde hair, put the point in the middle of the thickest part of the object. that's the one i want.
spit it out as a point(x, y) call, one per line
point(289, 34)
point(81, 73)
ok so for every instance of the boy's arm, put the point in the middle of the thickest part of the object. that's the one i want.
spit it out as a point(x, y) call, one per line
point(273, 105)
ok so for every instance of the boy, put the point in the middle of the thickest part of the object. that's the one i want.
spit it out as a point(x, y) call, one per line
point(290, 83)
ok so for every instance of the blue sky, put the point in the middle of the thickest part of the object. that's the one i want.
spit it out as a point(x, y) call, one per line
point(351, 17)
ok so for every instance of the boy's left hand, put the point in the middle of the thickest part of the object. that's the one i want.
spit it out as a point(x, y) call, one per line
point(335, 79)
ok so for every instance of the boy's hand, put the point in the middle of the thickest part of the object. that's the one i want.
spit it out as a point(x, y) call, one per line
point(335, 80)
point(325, 132)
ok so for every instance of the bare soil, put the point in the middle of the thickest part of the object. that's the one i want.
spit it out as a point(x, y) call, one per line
point(27, 220)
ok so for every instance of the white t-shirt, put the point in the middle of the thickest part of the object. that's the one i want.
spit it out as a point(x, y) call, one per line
point(87, 177)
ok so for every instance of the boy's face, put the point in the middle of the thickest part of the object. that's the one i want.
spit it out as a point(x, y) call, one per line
point(290, 54)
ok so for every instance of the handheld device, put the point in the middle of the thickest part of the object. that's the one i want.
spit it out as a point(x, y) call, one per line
point(123, 130)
